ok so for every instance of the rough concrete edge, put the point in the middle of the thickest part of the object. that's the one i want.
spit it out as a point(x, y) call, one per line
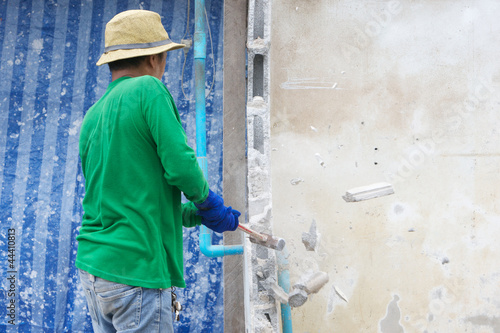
point(261, 307)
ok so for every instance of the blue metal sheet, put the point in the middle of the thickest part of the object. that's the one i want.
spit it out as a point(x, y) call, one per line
point(48, 51)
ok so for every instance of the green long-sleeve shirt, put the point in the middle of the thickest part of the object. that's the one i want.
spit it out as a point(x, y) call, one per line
point(136, 162)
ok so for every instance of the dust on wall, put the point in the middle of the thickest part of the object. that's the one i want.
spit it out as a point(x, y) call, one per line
point(402, 92)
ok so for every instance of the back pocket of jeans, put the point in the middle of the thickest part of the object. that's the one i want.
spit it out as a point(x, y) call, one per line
point(122, 306)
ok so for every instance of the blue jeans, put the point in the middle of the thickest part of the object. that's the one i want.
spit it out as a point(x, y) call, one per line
point(116, 307)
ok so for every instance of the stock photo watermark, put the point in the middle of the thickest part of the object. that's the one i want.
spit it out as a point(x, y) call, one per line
point(11, 283)
point(455, 120)
point(373, 28)
point(447, 295)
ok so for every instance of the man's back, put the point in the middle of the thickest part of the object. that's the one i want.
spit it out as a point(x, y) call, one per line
point(136, 162)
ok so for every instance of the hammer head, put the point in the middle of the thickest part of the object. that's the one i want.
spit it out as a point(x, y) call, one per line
point(271, 242)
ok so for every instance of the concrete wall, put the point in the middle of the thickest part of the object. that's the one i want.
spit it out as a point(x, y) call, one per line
point(404, 92)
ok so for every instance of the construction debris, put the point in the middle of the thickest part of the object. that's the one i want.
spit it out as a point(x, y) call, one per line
point(278, 293)
point(297, 298)
point(301, 290)
point(296, 181)
point(320, 160)
point(314, 283)
point(368, 192)
point(311, 239)
point(341, 294)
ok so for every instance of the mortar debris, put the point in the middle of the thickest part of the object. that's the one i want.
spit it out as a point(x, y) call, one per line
point(308, 285)
point(278, 293)
point(297, 298)
point(368, 192)
point(320, 160)
point(315, 282)
point(341, 294)
point(296, 181)
point(310, 239)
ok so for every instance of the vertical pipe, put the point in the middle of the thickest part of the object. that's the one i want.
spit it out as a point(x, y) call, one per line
point(200, 51)
point(284, 282)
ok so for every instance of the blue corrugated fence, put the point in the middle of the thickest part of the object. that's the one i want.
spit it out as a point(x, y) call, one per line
point(48, 51)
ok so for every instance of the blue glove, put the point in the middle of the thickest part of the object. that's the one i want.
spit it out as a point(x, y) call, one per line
point(220, 219)
point(212, 201)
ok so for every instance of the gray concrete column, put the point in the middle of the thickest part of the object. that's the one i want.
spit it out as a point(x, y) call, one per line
point(234, 164)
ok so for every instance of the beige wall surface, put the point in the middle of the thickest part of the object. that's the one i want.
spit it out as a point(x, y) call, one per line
point(405, 92)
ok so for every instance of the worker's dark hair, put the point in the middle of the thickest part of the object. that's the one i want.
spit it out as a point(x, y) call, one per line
point(128, 62)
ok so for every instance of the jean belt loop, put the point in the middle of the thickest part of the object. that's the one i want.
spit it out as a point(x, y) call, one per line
point(92, 280)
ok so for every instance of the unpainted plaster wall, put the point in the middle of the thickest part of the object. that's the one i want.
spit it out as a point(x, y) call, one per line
point(404, 92)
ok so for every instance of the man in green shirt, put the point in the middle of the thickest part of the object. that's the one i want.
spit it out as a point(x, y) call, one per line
point(136, 162)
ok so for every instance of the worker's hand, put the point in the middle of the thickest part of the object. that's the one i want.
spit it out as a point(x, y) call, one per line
point(220, 219)
point(212, 201)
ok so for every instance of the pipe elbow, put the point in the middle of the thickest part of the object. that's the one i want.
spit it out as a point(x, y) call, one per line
point(213, 251)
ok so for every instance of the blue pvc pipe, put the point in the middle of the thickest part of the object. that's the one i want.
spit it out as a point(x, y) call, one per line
point(200, 51)
point(284, 282)
point(211, 251)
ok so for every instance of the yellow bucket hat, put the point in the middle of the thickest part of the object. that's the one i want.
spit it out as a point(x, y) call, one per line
point(135, 33)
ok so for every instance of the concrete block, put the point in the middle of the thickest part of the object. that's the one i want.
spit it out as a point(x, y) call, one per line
point(368, 192)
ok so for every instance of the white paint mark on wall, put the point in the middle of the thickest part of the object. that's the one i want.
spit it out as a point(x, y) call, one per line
point(390, 323)
point(309, 83)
